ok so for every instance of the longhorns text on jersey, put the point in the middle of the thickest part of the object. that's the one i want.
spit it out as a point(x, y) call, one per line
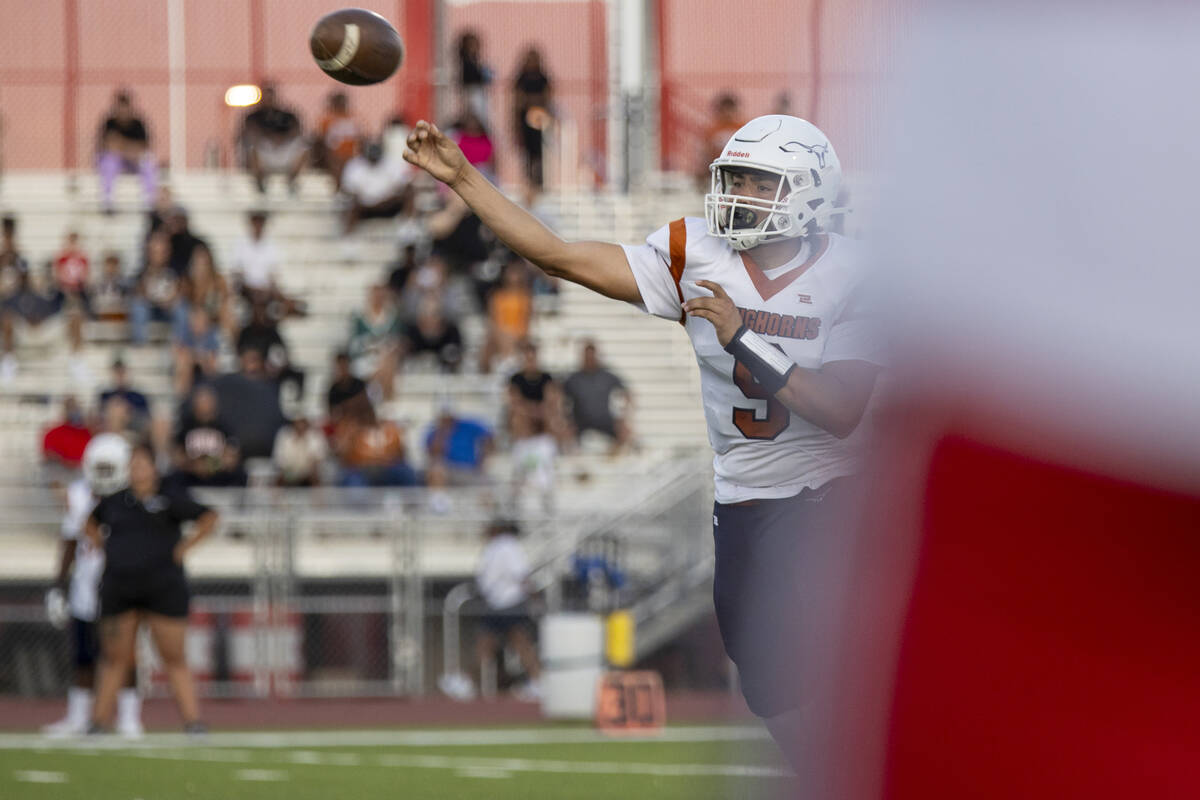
point(806, 307)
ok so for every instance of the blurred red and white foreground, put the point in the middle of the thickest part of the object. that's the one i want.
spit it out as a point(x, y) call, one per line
point(1026, 594)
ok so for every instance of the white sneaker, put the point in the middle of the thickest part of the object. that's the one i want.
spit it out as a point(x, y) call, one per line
point(457, 686)
point(130, 729)
point(64, 729)
point(529, 692)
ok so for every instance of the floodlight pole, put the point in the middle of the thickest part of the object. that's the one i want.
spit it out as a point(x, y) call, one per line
point(176, 86)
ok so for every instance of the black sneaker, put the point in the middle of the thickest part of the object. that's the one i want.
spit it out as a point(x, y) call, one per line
point(195, 730)
point(96, 729)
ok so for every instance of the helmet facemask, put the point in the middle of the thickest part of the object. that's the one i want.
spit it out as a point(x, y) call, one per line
point(746, 221)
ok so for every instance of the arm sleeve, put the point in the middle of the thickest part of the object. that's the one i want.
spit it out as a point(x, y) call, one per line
point(651, 265)
point(855, 336)
point(185, 508)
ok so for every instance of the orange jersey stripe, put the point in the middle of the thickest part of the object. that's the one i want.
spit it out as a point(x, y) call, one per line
point(678, 252)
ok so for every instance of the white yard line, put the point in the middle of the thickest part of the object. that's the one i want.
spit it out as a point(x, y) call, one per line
point(388, 738)
point(39, 776)
point(485, 767)
point(266, 775)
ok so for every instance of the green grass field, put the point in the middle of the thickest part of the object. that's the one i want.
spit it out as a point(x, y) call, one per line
point(543, 762)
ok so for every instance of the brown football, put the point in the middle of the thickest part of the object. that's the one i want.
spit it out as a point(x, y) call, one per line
point(356, 46)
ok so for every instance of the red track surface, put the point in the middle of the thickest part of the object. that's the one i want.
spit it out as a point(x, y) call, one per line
point(160, 715)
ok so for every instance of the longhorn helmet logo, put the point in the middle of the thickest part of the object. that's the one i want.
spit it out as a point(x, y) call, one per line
point(818, 150)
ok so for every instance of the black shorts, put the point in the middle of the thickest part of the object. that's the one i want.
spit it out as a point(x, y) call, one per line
point(87, 642)
point(501, 621)
point(777, 588)
point(163, 591)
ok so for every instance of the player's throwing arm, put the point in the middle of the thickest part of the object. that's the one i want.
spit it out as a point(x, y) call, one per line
point(600, 266)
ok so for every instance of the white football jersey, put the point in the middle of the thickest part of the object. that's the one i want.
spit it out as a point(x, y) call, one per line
point(89, 561)
point(810, 308)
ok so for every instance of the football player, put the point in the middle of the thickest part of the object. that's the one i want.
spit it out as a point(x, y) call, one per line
point(771, 299)
point(74, 599)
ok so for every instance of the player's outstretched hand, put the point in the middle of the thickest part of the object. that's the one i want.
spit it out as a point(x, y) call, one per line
point(432, 151)
point(718, 309)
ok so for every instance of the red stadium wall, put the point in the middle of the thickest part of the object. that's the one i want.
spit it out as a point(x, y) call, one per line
point(60, 61)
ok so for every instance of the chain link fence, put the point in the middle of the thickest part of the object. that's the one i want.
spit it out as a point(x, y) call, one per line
point(338, 593)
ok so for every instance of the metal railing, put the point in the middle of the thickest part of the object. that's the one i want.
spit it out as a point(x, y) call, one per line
point(654, 506)
point(327, 593)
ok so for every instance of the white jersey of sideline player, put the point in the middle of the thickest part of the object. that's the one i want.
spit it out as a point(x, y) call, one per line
point(807, 307)
point(89, 561)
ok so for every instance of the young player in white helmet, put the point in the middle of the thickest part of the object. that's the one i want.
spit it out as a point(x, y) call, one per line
point(74, 599)
point(771, 300)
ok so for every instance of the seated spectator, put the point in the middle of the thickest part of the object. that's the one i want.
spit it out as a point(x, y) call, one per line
point(156, 291)
point(195, 352)
point(112, 292)
point(344, 386)
point(590, 393)
point(13, 266)
point(377, 188)
point(432, 335)
point(33, 318)
point(338, 133)
point(124, 146)
point(273, 141)
point(256, 262)
point(510, 309)
point(205, 288)
point(183, 243)
point(117, 416)
point(63, 444)
point(433, 280)
point(14, 270)
point(460, 445)
point(374, 345)
point(250, 405)
point(206, 453)
point(300, 450)
point(472, 138)
point(371, 451)
point(71, 268)
point(400, 270)
point(534, 398)
point(261, 333)
point(137, 401)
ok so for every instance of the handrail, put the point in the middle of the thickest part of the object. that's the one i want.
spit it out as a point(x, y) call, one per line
point(546, 572)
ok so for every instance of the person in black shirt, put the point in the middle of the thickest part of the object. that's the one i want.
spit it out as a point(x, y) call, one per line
point(274, 141)
point(431, 333)
point(531, 112)
point(140, 530)
point(534, 398)
point(205, 453)
point(344, 386)
point(474, 76)
point(124, 146)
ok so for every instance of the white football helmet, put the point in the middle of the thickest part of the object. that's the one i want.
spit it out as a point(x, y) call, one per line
point(106, 463)
point(810, 179)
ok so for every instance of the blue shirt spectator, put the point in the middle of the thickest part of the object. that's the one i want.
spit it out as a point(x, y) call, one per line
point(461, 444)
